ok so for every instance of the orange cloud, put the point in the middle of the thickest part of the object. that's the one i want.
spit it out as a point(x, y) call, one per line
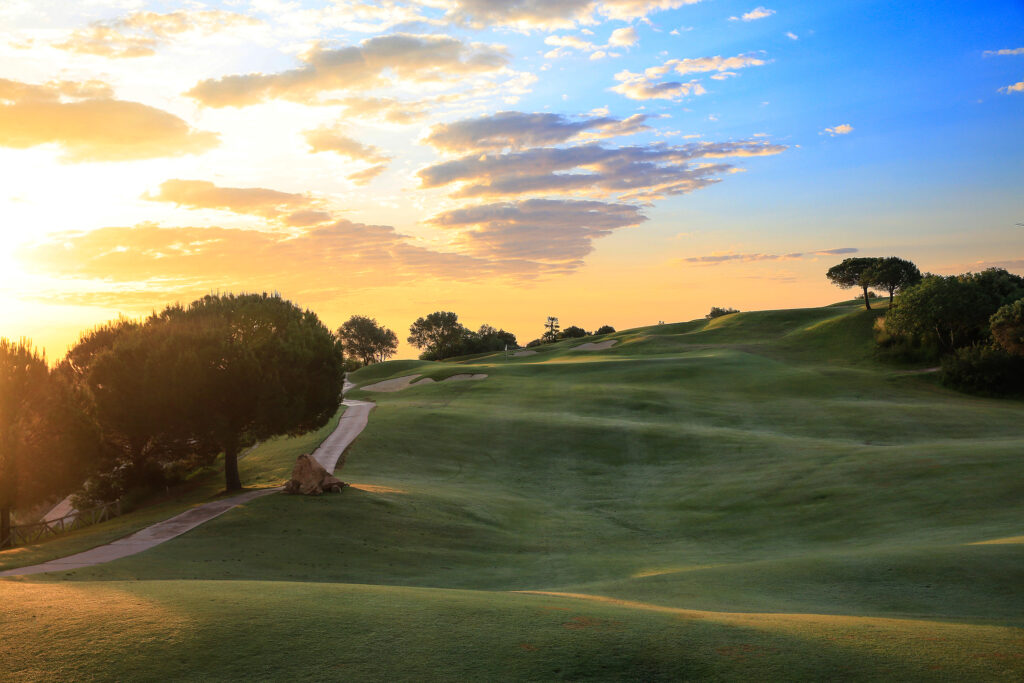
point(374, 62)
point(298, 209)
point(331, 139)
point(140, 33)
point(86, 122)
point(553, 14)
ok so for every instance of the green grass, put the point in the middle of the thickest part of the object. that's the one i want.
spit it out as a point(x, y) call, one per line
point(750, 497)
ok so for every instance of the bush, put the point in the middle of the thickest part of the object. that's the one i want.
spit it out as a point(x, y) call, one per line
point(1008, 327)
point(535, 342)
point(573, 332)
point(605, 329)
point(985, 370)
point(718, 312)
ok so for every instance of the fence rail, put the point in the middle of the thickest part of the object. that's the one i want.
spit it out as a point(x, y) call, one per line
point(24, 534)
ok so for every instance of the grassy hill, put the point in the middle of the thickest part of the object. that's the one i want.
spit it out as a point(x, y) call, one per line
point(753, 496)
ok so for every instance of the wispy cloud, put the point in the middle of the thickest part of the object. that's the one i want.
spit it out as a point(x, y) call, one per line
point(374, 62)
point(331, 139)
point(1005, 52)
point(140, 34)
point(754, 14)
point(631, 173)
point(647, 86)
point(291, 208)
point(517, 130)
point(552, 14)
point(1016, 87)
point(841, 129)
point(85, 121)
point(717, 259)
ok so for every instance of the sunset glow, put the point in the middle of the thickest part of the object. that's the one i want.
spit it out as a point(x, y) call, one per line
point(607, 162)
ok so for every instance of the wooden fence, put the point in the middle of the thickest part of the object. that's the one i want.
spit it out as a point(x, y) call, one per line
point(25, 534)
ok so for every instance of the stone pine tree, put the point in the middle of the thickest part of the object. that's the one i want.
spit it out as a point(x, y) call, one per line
point(854, 272)
point(257, 366)
point(893, 274)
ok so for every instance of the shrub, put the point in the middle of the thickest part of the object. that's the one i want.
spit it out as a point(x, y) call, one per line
point(605, 329)
point(985, 370)
point(717, 312)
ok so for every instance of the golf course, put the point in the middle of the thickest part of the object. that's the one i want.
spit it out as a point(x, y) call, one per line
point(753, 497)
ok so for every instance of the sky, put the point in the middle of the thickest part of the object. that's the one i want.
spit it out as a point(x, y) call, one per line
point(617, 162)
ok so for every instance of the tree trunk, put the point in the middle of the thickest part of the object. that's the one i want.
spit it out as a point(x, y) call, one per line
point(5, 528)
point(232, 481)
point(867, 302)
point(891, 293)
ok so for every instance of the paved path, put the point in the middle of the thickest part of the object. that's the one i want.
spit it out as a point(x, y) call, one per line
point(349, 426)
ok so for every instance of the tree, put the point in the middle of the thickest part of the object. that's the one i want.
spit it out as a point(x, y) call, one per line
point(363, 338)
point(894, 274)
point(23, 381)
point(438, 334)
point(1007, 326)
point(604, 329)
point(854, 272)
point(953, 311)
point(718, 312)
point(573, 332)
point(552, 329)
point(257, 366)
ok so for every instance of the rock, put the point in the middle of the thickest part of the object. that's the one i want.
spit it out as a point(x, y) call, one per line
point(311, 479)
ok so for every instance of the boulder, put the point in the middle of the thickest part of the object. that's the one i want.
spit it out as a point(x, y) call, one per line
point(311, 479)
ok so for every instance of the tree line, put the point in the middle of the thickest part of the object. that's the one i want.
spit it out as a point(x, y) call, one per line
point(972, 324)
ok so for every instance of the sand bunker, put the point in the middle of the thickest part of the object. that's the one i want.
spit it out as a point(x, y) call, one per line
point(595, 346)
point(402, 383)
point(524, 352)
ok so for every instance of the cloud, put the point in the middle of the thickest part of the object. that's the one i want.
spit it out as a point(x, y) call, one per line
point(293, 208)
point(1005, 52)
point(631, 173)
point(388, 109)
point(1016, 87)
point(87, 124)
point(639, 87)
point(549, 15)
point(718, 259)
point(367, 174)
point(374, 62)
point(755, 14)
point(647, 86)
point(834, 252)
point(549, 231)
point(792, 36)
point(623, 37)
point(150, 265)
point(139, 34)
point(331, 140)
point(841, 129)
point(517, 130)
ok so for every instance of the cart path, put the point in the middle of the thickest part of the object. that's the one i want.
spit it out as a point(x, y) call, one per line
point(352, 422)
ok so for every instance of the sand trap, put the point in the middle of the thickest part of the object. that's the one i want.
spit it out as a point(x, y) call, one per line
point(396, 384)
point(524, 352)
point(595, 346)
point(402, 383)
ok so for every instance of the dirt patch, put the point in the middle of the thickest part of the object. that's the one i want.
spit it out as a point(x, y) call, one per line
point(595, 346)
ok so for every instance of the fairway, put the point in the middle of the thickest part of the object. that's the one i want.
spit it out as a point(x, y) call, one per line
point(754, 496)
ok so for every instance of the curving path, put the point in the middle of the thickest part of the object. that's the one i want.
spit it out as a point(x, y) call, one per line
point(350, 425)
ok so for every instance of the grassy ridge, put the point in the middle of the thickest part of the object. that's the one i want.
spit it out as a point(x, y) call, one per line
point(760, 463)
